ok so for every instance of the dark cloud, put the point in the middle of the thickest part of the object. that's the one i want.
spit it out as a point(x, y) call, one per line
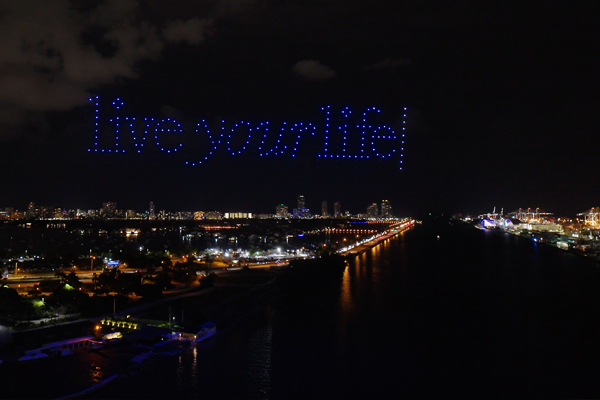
point(191, 31)
point(313, 70)
point(52, 54)
point(388, 63)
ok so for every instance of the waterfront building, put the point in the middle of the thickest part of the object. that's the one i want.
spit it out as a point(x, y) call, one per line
point(198, 215)
point(238, 215)
point(532, 215)
point(337, 209)
point(151, 211)
point(386, 209)
point(213, 215)
point(591, 217)
point(185, 215)
point(108, 210)
point(301, 213)
point(372, 211)
point(32, 211)
point(281, 211)
point(301, 202)
point(324, 209)
point(555, 228)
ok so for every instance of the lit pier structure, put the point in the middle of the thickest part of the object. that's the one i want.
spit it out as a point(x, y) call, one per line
point(530, 215)
point(591, 217)
point(365, 244)
point(535, 220)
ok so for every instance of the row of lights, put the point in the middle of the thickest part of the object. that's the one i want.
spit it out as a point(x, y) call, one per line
point(392, 229)
point(338, 230)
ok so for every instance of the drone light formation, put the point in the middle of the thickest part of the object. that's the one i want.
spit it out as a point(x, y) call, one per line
point(347, 137)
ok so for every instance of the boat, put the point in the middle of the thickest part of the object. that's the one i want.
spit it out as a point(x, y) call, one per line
point(492, 220)
point(207, 330)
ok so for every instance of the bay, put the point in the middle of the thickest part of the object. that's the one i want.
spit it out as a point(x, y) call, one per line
point(473, 312)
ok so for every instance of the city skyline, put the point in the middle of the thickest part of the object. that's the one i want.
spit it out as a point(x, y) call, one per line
point(110, 210)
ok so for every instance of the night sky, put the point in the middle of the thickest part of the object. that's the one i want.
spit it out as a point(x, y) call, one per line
point(503, 101)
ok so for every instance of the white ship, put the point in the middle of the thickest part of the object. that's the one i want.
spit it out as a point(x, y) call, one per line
point(493, 220)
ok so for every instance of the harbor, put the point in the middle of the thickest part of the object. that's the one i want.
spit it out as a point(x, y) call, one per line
point(579, 235)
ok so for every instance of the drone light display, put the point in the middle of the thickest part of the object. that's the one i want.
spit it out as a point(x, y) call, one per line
point(335, 136)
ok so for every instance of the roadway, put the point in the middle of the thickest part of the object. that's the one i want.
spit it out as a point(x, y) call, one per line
point(29, 279)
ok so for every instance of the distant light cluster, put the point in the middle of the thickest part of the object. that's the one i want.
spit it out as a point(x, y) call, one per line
point(344, 138)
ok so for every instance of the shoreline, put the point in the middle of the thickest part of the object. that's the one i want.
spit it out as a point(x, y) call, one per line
point(231, 309)
point(233, 304)
point(549, 244)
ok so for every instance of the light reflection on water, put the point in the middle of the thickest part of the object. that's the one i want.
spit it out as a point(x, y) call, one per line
point(346, 308)
point(346, 294)
point(412, 316)
point(193, 377)
point(179, 372)
point(258, 366)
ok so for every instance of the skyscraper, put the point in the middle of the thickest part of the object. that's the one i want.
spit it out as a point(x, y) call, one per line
point(151, 211)
point(372, 211)
point(301, 211)
point(324, 209)
point(337, 209)
point(108, 210)
point(32, 211)
point(386, 209)
point(301, 203)
point(281, 211)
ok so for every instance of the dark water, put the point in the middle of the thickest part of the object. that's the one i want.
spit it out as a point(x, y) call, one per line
point(474, 312)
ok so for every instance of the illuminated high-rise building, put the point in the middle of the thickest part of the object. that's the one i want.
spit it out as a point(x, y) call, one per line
point(281, 211)
point(337, 209)
point(301, 203)
point(301, 213)
point(151, 211)
point(372, 211)
point(108, 210)
point(324, 210)
point(386, 209)
point(213, 215)
point(32, 211)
